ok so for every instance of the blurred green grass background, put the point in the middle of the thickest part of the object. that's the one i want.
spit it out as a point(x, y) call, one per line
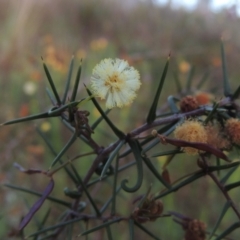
point(138, 31)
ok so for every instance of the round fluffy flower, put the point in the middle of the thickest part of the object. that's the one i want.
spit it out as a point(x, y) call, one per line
point(115, 81)
point(232, 128)
point(191, 131)
point(216, 137)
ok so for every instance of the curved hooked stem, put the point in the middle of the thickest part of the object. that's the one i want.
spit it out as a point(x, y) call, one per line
point(136, 148)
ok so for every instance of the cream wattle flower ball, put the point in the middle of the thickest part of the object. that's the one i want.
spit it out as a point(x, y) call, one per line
point(115, 81)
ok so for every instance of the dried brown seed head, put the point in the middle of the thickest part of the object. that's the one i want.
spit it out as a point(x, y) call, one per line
point(149, 211)
point(188, 103)
point(195, 230)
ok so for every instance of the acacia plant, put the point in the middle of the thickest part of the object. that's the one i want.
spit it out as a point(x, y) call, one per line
point(193, 125)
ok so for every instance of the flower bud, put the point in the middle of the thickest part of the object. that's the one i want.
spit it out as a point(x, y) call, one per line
point(154, 133)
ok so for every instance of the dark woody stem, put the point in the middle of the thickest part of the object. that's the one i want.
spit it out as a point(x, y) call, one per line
point(225, 193)
point(221, 186)
point(166, 120)
point(93, 144)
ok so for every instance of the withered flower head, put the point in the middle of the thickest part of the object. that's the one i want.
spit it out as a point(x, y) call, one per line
point(216, 138)
point(195, 230)
point(188, 103)
point(148, 211)
point(232, 128)
point(191, 131)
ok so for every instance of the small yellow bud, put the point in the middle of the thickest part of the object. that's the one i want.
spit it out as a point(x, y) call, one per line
point(154, 133)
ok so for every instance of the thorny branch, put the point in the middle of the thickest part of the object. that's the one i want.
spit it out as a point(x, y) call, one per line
point(106, 151)
point(204, 166)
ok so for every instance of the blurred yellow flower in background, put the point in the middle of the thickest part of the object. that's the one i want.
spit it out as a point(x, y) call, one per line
point(81, 53)
point(115, 81)
point(184, 66)
point(29, 88)
point(54, 55)
point(45, 126)
point(99, 44)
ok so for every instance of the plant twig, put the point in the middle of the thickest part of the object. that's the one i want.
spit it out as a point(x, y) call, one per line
point(225, 193)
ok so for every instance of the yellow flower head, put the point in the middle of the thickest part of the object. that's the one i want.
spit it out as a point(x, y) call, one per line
point(216, 137)
point(232, 128)
point(115, 81)
point(191, 131)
